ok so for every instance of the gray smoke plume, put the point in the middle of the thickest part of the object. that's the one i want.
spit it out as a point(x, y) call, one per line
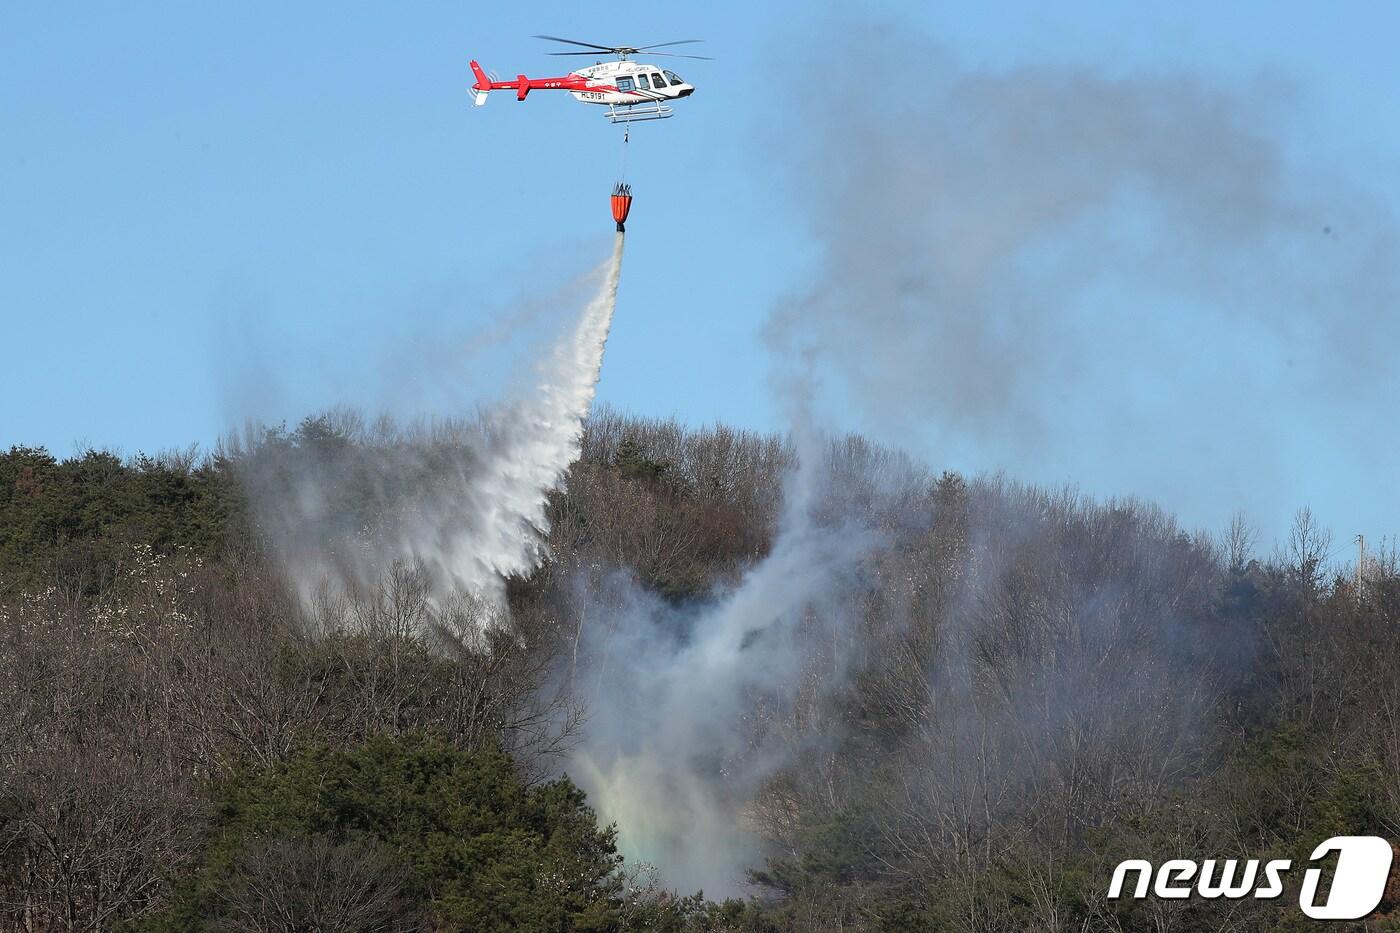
point(462, 502)
point(1094, 278)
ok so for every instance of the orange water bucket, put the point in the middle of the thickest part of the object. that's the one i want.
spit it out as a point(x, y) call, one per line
point(621, 204)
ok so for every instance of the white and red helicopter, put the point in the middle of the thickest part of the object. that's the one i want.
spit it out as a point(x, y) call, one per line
point(630, 90)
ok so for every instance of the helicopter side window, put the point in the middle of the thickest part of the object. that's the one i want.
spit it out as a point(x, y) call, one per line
point(624, 84)
point(674, 78)
point(642, 82)
point(657, 81)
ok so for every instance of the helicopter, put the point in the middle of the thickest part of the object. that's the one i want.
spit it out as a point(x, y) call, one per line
point(631, 90)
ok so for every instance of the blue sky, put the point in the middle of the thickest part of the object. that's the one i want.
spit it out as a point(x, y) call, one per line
point(212, 212)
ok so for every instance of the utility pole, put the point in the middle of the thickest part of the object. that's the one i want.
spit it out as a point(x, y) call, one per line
point(1360, 563)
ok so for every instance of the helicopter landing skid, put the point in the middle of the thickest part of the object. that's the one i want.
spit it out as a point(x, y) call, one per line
point(636, 113)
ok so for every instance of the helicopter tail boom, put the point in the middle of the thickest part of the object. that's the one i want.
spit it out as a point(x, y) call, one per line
point(523, 85)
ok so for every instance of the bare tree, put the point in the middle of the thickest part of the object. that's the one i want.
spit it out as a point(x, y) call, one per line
point(1309, 546)
point(90, 839)
point(294, 884)
point(1240, 538)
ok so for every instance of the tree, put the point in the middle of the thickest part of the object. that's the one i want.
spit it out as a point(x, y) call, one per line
point(1309, 546)
point(398, 822)
point(633, 462)
point(291, 884)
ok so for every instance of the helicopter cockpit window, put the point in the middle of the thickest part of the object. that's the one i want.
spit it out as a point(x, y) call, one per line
point(642, 82)
point(624, 84)
point(673, 78)
point(657, 81)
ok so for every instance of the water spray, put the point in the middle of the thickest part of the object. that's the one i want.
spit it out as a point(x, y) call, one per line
point(483, 517)
point(541, 438)
point(496, 526)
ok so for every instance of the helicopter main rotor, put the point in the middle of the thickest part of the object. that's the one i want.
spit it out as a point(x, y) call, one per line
point(623, 52)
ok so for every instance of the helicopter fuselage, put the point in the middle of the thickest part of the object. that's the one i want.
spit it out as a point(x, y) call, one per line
point(631, 90)
point(628, 83)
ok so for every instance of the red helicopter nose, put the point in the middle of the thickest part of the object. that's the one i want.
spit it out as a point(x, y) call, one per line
point(621, 204)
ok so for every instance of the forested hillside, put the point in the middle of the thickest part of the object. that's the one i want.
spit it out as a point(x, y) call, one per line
point(1022, 687)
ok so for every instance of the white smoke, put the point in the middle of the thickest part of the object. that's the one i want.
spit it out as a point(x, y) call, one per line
point(690, 711)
